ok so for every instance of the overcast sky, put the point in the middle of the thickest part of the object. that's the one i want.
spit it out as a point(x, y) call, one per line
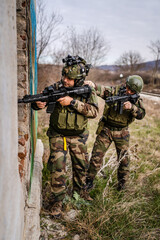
point(125, 24)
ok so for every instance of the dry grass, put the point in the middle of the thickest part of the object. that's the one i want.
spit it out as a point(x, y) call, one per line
point(132, 214)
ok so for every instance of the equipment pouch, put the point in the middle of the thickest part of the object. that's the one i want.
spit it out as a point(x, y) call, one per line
point(80, 122)
point(62, 120)
point(71, 120)
point(100, 127)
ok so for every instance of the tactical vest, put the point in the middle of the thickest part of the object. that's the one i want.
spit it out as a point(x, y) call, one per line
point(113, 118)
point(66, 120)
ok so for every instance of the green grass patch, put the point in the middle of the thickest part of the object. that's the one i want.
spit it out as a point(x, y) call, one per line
point(43, 136)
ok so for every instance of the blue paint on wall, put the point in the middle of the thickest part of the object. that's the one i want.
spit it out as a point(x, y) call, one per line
point(33, 82)
point(33, 50)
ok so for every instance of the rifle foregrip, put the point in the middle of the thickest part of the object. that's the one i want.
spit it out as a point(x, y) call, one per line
point(51, 106)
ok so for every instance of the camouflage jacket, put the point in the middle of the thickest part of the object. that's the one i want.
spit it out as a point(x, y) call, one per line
point(113, 117)
point(72, 120)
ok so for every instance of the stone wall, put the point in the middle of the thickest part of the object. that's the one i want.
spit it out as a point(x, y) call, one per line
point(30, 170)
point(23, 89)
point(16, 221)
point(11, 194)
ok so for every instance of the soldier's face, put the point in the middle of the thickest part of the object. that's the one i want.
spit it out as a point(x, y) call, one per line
point(68, 82)
point(129, 91)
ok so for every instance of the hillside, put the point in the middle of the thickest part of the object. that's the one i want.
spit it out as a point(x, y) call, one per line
point(48, 74)
point(147, 66)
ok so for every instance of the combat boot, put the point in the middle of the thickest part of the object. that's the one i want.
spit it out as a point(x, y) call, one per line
point(121, 185)
point(85, 195)
point(89, 183)
point(56, 210)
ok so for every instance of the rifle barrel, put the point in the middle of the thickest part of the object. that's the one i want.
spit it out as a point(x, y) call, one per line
point(33, 98)
point(54, 95)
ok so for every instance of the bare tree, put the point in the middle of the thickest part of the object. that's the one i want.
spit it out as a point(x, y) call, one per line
point(130, 62)
point(94, 46)
point(58, 55)
point(155, 49)
point(47, 28)
point(89, 44)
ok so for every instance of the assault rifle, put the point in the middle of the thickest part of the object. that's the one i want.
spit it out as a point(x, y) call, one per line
point(51, 95)
point(122, 97)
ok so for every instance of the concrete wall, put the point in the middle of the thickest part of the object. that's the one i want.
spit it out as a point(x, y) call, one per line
point(32, 211)
point(11, 194)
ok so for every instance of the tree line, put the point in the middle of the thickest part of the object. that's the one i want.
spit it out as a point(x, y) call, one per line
point(90, 44)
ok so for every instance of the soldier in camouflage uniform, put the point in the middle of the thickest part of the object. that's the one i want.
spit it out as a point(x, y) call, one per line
point(113, 126)
point(68, 131)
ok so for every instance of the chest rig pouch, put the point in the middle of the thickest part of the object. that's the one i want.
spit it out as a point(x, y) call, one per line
point(70, 119)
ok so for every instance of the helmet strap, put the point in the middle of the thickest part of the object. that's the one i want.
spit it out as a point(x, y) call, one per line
point(78, 83)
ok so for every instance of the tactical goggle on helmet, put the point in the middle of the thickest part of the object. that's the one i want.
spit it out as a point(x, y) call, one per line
point(135, 83)
point(75, 68)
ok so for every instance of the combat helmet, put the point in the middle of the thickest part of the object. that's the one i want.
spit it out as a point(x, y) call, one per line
point(75, 68)
point(135, 83)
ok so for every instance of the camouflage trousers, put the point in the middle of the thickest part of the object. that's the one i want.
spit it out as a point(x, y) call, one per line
point(59, 146)
point(101, 145)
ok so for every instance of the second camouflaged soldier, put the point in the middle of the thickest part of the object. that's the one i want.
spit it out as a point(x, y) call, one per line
point(113, 127)
point(68, 131)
